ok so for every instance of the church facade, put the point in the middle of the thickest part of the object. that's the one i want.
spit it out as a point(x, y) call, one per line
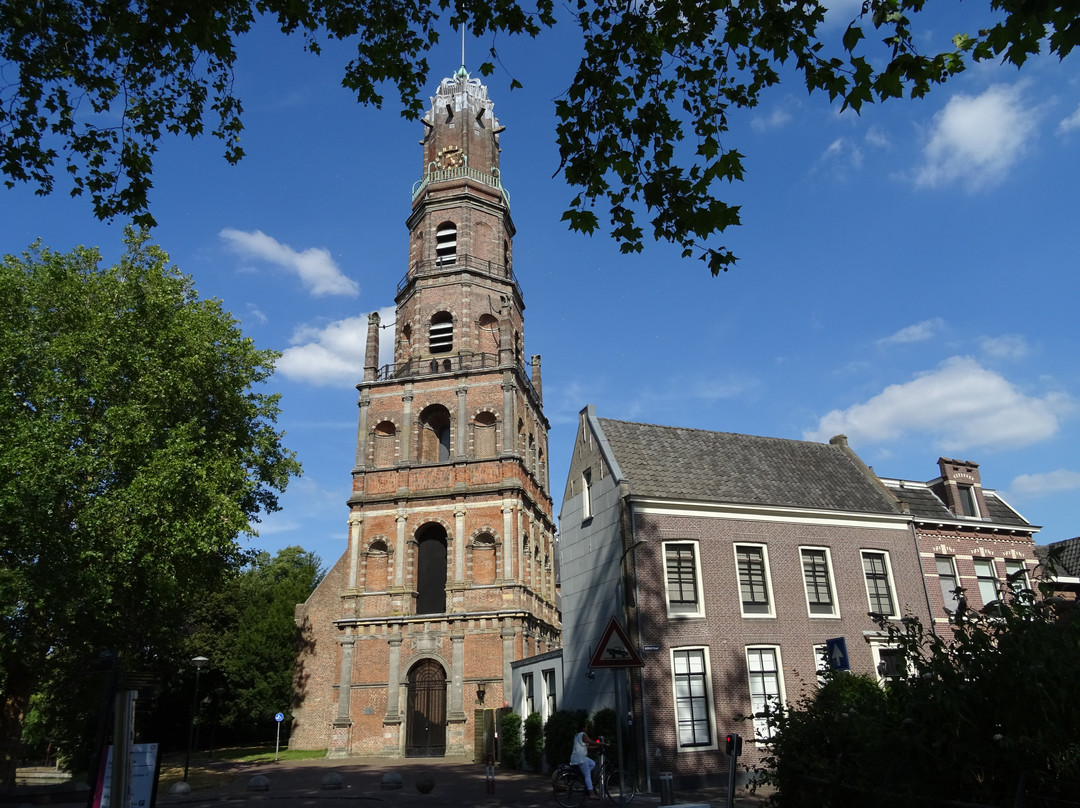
point(449, 572)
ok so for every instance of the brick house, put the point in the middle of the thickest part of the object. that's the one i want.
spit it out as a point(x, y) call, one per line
point(448, 576)
point(732, 559)
point(969, 538)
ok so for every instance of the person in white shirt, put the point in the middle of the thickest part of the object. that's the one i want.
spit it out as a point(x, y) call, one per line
point(580, 758)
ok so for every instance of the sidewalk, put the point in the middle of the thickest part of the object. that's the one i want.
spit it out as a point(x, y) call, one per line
point(457, 781)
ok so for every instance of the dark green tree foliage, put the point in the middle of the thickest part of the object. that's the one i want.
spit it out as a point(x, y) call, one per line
point(135, 446)
point(534, 741)
point(248, 632)
point(985, 712)
point(559, 734)
point(641, 130)
point(510, 740)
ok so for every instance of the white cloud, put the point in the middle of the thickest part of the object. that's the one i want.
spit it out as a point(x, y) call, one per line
point(1046, 484)
point(776, 119)
point(334, 354)
point(256, 314)
point(1070, 124)
point(842, 152)
point(314, 266)
point(961, 405)
point(975, 140)
point(875, 136)
point(1007, 346)
point(919, 332)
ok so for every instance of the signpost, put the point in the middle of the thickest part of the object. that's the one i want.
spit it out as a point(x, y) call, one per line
point(615, 651)
point(277, 743)
point(836, 651)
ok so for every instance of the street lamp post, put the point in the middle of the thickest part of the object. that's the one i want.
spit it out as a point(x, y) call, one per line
point(198, 662)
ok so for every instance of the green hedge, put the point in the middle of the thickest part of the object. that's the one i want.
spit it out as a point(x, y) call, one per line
point(510, 740)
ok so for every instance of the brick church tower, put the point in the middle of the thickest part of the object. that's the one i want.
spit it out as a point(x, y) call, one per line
point(449, 572)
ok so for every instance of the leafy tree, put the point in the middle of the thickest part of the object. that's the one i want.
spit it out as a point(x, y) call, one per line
point(248, 632)
point(985, 713)
point(641, 129)
point(135, 446)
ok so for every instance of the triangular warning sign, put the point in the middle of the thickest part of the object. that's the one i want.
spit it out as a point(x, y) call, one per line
point(615, 650)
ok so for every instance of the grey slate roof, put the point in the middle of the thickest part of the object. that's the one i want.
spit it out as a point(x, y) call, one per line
point(694, 464)
point(925, 505)
point(1068, 555)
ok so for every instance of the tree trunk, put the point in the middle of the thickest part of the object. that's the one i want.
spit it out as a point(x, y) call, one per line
point(16, 701)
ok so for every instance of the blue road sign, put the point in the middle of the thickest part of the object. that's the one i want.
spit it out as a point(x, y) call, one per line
point(279, 717)
point(836, 651)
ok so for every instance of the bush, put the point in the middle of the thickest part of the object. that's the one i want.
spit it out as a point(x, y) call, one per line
point(534, 741)
point(510, 740)
point(603, 725)
point(985, 712)
point(559, 734)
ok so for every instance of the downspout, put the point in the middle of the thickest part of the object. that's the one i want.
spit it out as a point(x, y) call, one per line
point(626, 519)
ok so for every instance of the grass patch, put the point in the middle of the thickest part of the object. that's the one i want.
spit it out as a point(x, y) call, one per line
point(206, 772)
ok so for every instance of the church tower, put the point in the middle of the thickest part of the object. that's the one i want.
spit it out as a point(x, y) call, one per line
point(449, 573)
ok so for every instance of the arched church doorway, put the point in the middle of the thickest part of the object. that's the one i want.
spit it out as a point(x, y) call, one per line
point(425, 732)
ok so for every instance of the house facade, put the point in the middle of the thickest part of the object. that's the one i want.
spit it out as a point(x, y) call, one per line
point(970, 539)
point(732, 561)
point(448, 575)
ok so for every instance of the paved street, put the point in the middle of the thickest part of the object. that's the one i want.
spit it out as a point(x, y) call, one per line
point(457, 782)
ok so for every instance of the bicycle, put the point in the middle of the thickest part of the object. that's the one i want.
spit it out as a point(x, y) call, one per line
point(569, 783)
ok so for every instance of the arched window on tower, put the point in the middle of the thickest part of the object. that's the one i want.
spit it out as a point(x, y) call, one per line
point(446, 244)
point(484, 559)
point(376, 566)
point(441, 336)
point(434, 434)
point(488, 336)
point(385, 448)
point(484, 435)
point(431, 569)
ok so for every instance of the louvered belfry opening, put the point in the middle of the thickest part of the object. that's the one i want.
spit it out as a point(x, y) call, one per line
point(442, 333)
point(446, 244)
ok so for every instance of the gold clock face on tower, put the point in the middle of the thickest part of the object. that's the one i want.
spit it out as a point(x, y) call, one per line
point(450, 157)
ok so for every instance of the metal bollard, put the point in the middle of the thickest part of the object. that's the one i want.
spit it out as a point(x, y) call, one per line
point(667, 789)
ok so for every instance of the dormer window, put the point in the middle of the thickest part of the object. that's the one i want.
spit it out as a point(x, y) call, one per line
point(446, 244)
point(968, 504)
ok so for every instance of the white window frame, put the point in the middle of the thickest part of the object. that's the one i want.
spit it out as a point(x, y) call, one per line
point(1017, 565)
point(888, 576)
point(698, 609)
point(551, 692)
point(821, 664)
point(876, 647)
point(968, 501)
point(835, 604)
point(951, 600)
point(528, 695)
point(771, 611)
point(763, 732)
point(984, 581)
point(586, 495)
point(709, 704)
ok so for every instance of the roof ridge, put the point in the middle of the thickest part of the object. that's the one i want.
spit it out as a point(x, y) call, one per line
point(714, 432)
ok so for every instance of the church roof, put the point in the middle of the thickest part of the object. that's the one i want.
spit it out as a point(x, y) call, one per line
point(694, 464)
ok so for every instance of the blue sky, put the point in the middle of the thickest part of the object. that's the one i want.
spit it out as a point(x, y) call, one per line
point(907, 276)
